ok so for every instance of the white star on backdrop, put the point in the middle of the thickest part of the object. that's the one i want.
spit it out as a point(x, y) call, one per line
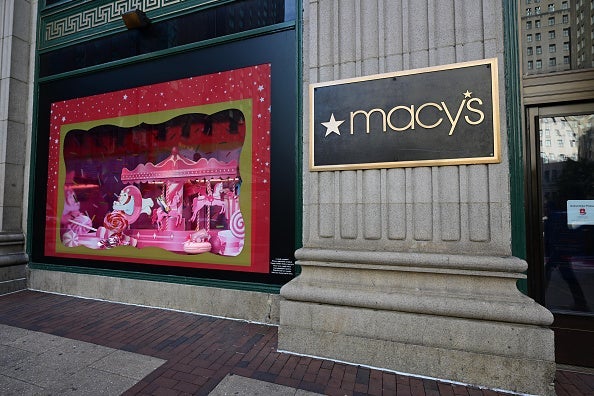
point(332, 126)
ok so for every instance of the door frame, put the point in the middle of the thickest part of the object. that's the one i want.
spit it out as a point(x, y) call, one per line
point(520, 93)
point(573, 331)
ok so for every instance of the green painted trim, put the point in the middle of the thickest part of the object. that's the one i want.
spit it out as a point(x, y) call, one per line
point(174, 279)
point(514, 130)
point(167, 52)
point(72, 22)
point(33, 149)
point(299, 129)
point(60, 5)
point(43, 6)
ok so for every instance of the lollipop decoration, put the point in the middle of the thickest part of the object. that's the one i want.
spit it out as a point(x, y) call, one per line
point(115, 223)
point(237, 226)
point(81, 224)
point(70, 239)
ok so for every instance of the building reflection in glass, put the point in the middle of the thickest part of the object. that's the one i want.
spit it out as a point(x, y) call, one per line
point(567, 175)
point(556, 35)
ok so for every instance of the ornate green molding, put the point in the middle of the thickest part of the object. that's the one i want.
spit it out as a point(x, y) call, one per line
point(72, 23)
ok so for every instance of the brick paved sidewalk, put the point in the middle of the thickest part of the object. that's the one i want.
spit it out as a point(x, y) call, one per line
point(200, 350)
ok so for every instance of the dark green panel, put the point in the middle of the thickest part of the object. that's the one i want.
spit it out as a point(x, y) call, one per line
point(514, 131)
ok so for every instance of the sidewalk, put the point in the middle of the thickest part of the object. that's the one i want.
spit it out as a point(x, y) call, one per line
point(96, 347)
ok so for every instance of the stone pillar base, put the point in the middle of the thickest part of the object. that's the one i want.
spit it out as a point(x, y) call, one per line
point(12, 278)
point(457, 318)
point(12, 263)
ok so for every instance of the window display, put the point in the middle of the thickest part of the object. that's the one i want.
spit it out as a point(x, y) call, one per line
point(175, 173)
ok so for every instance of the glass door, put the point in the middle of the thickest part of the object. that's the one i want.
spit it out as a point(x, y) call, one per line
point(560, 224)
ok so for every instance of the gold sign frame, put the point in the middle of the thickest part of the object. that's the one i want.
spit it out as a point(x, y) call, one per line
point(495, 158)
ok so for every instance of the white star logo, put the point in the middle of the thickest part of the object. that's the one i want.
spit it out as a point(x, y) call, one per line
point(467, 94)
point(332, 126)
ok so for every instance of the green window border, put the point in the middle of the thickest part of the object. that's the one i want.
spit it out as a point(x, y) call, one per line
point(192, 6)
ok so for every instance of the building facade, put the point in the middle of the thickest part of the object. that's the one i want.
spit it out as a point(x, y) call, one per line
point(556, 35)
point(15, 122)
point(159, 153)
point(584, 35)
point(546, 32)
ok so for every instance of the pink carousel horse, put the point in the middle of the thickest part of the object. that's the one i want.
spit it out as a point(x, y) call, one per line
point(208, 199)
point(166, 210)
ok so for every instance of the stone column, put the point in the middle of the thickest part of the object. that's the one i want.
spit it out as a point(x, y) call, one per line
point(410, 269)
point(15, 126)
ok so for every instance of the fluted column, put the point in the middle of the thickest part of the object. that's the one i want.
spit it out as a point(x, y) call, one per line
point(15, 30)
point(411, 268)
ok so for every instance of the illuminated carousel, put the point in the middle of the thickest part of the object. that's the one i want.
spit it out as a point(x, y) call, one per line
point(209, 221)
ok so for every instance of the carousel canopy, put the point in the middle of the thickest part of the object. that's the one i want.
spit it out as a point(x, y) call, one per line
point(180, 168)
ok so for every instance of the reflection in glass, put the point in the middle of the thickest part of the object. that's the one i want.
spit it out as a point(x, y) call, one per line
point(565, 24)
point(567, 177)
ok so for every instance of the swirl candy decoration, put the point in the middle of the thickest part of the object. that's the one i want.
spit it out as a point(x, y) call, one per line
point(115, 222)
point(81, 224)
point(70, 239)
point(237, 225)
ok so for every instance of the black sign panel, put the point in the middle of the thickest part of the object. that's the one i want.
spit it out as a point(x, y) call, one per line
point(435, 116)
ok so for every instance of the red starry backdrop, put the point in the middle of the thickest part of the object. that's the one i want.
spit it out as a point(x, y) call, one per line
point(221, 118)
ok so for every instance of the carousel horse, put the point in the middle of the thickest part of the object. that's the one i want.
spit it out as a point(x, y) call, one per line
point(208, 199)
point(165, 211)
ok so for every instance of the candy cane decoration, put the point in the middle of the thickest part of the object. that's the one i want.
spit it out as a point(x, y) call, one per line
point(88, 227)
point(208, 194)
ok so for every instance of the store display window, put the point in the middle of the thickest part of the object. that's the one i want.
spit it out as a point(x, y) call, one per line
point(175, 173)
